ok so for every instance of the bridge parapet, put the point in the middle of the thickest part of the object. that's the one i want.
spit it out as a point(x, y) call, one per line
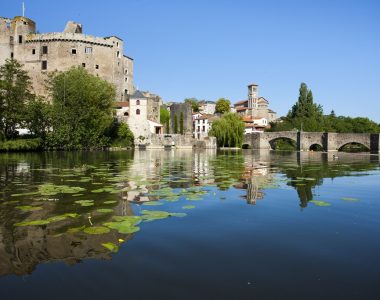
point(329, 141)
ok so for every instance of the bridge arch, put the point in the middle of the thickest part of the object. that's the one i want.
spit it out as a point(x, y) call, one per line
point(283, 143)
point(356, 147)
point(316, 147)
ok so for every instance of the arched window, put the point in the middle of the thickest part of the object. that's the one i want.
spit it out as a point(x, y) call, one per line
point(126, 114)
point(137, 102)
point(137, 111)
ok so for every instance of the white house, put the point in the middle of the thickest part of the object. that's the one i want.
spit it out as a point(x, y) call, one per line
point(202, 125)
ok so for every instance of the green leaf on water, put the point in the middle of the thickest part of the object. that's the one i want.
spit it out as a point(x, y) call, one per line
point(32, 223)
point(29, 208)
point(104, 210)
point(188, 207)
point(110, 202)
point(151, 215)
point(153, 203)
point(320, 203)
point(85, 202)
point(349, 199)
point(24, 194)
point(125, 227)
point(49, 189)
point(111, 246)
point(76, 229)
point(96, 230)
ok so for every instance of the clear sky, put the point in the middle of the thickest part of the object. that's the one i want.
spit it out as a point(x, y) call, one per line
point(212, 49)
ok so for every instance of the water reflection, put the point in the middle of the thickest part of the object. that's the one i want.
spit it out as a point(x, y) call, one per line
point(124, 183)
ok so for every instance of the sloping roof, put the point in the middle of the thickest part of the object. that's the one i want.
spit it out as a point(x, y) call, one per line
point(121, 104)
point(262, 99)
point(240, 102)
point(241, 108)
point(138, 94)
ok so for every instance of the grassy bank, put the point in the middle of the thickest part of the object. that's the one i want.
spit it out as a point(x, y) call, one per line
point(21, 145)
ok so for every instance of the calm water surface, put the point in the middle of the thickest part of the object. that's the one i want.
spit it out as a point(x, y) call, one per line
point(189, 225)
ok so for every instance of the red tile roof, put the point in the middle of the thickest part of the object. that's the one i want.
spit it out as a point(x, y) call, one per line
point(240, 102)
point(121, 104)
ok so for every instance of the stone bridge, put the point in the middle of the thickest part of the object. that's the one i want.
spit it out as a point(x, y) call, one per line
point(305, 140)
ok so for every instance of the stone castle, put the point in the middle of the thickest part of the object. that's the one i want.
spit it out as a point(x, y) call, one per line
point(59, 51)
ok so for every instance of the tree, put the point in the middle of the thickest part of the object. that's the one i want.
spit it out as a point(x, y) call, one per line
point(125, 137)
point(14, 94)
point(181, 123)
point(38, 117)
point(228, 130)
point(82, 110)
point(164, 115)
point(194, 103)
point(175, 124)
point(222, 106)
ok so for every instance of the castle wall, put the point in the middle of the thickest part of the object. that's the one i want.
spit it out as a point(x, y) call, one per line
point(44, 53)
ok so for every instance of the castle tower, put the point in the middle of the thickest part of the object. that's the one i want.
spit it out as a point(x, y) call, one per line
point(252, 96)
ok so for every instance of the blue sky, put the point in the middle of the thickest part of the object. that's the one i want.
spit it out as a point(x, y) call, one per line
point(212, 49)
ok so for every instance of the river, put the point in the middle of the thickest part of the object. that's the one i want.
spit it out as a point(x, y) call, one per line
point(181, 224)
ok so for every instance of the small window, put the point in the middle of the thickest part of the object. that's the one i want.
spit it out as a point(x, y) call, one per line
point(137, 102)
point(97, 67)
point(118, 54)
point(117, 44)
point(25, 23)
point(44, 49)
point(73, 51)
point(12, 54)
point(33, 51)
point(44, 65)
point(126, 72)
point(137, 111)
point(11, 39)
point(203, 128)
point(88, 50)
point(126, 114)
point(83, 65)
point(126, 79)
point(20, 39)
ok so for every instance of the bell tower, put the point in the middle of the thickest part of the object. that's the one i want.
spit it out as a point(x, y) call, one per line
point(252, 96)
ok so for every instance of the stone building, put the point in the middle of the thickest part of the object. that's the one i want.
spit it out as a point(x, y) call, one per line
point(142, 116)
point(59, 51)
point(255, 107)
point(184, 109)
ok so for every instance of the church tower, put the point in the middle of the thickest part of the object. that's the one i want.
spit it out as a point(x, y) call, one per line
point(252, 97)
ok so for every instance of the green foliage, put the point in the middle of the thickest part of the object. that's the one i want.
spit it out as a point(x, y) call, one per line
point(14, 94)
point(21, 145)
point(38, 117)
point(222, 106)
point(307, 116)
point(81, 112)
point(284, 145)
point(181, 123)
point(175, 124)
point(125, 137)
point(228, 130)
point(164, 115)
point(194, 103)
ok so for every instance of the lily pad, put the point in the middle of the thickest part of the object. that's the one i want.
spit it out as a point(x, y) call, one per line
point(50, 189)
point(96, 230)
point(349, 199)
point(188, 207)
point(153, 203)
point(125, 227)
point(104, 210)
point(76, 229)
point(29, 208)
point(320, 203)
point(32, 223)
point(85, 202)
point(151, 215)
point(110, 202)
point(111, 246)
